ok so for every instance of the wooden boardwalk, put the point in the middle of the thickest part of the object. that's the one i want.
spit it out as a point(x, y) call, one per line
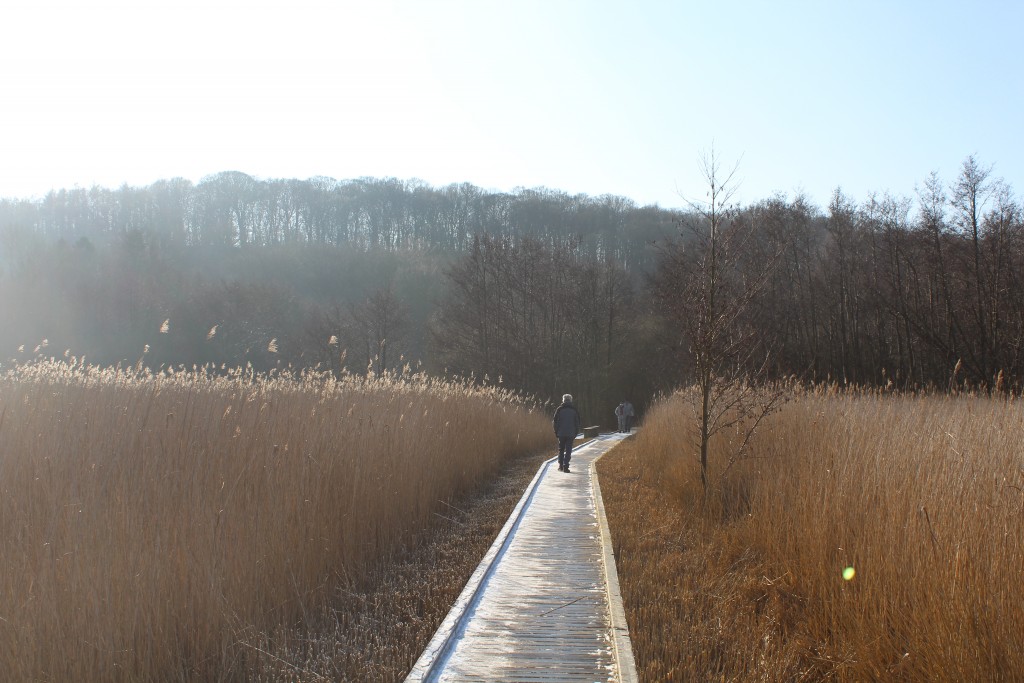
point(544, 603)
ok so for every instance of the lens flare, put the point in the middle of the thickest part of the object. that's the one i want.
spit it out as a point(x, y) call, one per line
point(849, 573)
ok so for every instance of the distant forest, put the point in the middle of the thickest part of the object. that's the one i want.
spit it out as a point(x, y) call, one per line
point(540, 290)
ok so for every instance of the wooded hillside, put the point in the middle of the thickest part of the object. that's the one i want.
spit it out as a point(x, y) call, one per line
point(543, 291)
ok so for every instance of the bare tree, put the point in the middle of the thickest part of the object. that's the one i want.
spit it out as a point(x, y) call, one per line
point(379, 324)
point(969, 195)
point(708, 282)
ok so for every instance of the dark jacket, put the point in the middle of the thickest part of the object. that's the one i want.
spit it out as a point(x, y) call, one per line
point(567, 421)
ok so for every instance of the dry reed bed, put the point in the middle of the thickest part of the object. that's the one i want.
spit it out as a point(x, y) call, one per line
point(153, 527)
point(922, 496)
point(374, 634)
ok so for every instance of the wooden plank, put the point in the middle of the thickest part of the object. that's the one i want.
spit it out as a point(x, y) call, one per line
point(539, 607)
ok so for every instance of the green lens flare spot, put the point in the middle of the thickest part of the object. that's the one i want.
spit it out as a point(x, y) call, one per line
point(849, 573)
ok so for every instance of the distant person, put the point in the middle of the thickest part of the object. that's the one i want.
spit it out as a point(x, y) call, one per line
point(627, 408)
point(567, 425)
point(620, 415)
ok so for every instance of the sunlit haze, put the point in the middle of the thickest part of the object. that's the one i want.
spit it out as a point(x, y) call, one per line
point(591, 97)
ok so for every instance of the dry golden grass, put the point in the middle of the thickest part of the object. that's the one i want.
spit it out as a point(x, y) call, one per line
point(374, 633)
point(922, 496)
point(164, 527)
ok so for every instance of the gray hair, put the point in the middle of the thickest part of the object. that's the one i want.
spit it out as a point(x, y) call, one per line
point(566, 398)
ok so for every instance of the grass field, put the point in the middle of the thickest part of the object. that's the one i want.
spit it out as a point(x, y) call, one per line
point(870, 537)
point(167, 527)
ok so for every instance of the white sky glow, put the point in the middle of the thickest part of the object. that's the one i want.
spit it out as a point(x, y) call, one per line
point(595, 97)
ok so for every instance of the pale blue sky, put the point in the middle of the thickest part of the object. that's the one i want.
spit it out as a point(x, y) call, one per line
point(594, 97)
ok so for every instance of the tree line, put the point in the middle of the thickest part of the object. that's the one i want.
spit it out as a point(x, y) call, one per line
point(897, 291)
point(236, 210)
point(542, 291)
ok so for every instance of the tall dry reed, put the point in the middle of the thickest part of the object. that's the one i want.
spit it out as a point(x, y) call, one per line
point(919, 500)
point(157, 526)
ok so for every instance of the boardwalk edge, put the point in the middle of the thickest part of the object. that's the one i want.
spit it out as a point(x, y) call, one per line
point(620, 630)
point(439, 646)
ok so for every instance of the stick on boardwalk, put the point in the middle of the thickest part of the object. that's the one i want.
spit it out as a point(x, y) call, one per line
point(544, 603)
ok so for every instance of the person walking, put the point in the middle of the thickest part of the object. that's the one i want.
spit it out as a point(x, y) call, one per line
point(567, 425)
point(627, 411)
point(620, 415)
